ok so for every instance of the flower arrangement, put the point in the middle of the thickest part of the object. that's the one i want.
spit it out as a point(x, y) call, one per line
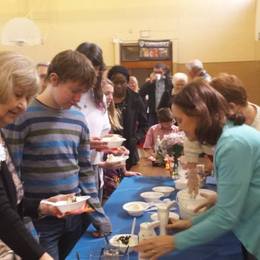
point(170, 146)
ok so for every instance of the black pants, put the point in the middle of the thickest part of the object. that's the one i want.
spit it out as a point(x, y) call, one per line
point(246, 254)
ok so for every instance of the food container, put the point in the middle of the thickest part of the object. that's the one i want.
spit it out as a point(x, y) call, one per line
point(151, 196)
point(135, 208)
point(181, 183)
point(124, 241)
point(68, 205)
point(113, 140)
point(187, 204)
point(166, 190)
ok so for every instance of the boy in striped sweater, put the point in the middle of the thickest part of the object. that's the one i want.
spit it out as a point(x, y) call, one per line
point(50, 147)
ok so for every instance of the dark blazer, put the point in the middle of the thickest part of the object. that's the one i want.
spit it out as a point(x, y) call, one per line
point(12, 229)
point(148, 89)
point(135, 125)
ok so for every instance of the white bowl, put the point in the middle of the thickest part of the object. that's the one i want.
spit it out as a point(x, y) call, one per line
point(113, 140)
point(116, 158)
point(187, 204)
point(151, 196)
point(154, 216)
point(166, 190)
point(135, 208)
point(117, 243)
point(181, 183)
point(66, 206)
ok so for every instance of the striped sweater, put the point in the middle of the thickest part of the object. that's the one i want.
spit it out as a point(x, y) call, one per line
point(51, 152)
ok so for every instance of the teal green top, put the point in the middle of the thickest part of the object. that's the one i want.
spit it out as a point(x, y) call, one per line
point(237, 167)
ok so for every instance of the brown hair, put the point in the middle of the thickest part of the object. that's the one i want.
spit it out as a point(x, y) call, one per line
point(73, 66)
point(231, 87)
point(200, 100)
point(164, 115)
point(233, 90)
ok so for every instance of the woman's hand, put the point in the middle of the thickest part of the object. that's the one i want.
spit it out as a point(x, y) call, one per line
point(97, 144)
point(121, 150)
point(111, 165)
point(211, 200)
point(46, 256)
point(153, 248)
point(181, 224)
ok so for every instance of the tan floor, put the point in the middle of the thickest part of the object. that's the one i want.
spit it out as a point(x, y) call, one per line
point(145, 167)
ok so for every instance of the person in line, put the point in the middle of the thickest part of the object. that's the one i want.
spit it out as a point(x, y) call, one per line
point(42, 69)
point(203, 114)
point(112, 177)
point(133, 84)
point(179, 80)
point(93, 105)
point(131, 110)
point(196, 69)
point(164, 127)
point(153, 90)
point(50, 146)
point(19, 83)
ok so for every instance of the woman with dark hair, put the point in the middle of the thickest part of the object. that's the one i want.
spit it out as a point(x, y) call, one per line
point(132, 116)
point(203, 114)
point(95, 55)
point(93, 105)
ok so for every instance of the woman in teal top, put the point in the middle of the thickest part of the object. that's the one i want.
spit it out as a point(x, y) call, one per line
point(202, 113)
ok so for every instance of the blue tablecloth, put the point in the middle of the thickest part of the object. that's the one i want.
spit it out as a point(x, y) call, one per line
point(226, 247)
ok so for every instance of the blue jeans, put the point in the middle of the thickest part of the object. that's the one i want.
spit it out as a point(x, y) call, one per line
point(58, 236)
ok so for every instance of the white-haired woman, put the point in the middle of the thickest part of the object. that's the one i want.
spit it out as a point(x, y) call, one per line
point(18, 84)
point(179, 80)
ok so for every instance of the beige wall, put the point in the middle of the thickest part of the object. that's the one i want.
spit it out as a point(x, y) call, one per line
point(213, 30)
point(219, 32)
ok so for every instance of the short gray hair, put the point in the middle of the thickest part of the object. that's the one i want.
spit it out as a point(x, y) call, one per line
point(17, 70)
point(194, 65)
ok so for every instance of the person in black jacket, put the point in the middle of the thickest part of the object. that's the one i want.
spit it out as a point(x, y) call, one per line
point(158, 85)
point(19, 82)
point(131, 109)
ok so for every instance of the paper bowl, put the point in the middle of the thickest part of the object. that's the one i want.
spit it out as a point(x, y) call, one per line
point(187, 204)
point(181, 183)
point(151, 196)
point(154, 216)
point(113, 140)
point(166, 190)
point(135, 208)
point(116, 159)
point(117, 241)
point(66, 206)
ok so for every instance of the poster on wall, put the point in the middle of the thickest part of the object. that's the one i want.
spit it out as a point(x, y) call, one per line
point(155, 49)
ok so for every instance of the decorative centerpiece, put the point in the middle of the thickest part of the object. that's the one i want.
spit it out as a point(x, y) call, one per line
point(169, 149)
